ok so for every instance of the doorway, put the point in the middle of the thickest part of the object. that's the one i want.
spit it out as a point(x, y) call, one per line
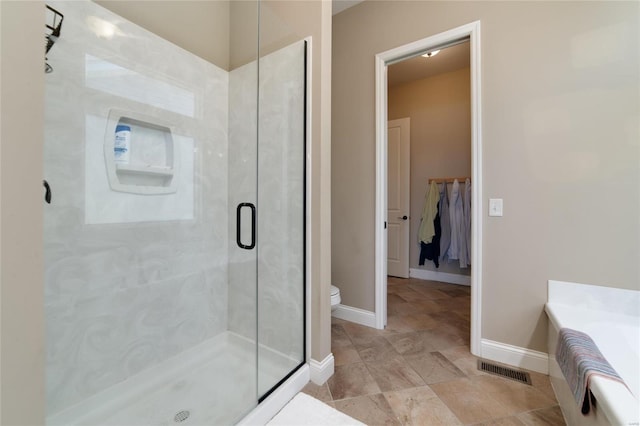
point(469, 32)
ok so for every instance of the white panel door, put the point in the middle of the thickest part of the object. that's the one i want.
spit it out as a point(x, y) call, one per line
point(398, 198)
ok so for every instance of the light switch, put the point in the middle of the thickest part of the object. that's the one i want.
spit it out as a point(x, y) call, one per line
point(495, 206)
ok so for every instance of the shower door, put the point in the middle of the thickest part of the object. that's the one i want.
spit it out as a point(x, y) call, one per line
point(151, 222)
point(281, 209)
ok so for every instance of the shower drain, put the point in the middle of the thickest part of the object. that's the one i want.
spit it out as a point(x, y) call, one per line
point(181, 416)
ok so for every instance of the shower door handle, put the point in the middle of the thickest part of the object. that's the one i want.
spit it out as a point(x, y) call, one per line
point(239, 226)
point(47, 191)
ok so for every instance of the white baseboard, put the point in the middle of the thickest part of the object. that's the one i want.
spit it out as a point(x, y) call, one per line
point(321, 371)
point(515, 356)
point(445, 277)
point(357, 315)
point(278, 399)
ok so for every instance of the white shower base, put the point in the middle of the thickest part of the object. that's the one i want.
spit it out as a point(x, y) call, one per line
point(213, 382)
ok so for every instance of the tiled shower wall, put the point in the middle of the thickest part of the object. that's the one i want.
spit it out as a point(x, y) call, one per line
point(131, 279)
point(280, 202)
point(243, 101)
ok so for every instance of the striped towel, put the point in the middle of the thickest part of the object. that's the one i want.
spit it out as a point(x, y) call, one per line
point(579, 359)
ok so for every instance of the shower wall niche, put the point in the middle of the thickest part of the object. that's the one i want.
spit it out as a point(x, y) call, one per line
point(151, 306)
point(139, 154)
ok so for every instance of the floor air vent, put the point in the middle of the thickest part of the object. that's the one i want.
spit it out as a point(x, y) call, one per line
point(518, 376)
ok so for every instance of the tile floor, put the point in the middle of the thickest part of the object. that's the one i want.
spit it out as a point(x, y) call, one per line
point(419, 371)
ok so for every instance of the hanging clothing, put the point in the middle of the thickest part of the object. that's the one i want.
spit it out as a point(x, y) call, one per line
point(458, 245)
point(445, 222)
point(455, 204)
point(467, 217)
point(463, 256)
point(427, 229)
point(431, 251)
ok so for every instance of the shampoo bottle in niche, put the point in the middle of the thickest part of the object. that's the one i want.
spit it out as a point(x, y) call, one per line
point(122, 145)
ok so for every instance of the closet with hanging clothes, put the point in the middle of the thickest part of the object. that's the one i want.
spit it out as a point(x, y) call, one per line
point(445, 226)
point(439, 107)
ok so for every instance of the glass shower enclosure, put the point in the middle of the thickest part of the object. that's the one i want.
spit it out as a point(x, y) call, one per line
point(175, 221)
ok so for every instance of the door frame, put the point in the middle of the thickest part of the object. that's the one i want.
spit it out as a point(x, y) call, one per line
point(382, 60)
point(406, 183)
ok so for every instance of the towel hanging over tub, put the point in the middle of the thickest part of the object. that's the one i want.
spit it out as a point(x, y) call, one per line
point(579, 359)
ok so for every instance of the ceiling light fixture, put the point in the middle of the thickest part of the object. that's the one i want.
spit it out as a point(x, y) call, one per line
point(431, 54)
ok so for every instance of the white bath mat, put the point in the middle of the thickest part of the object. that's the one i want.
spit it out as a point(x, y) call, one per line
point(304, 410)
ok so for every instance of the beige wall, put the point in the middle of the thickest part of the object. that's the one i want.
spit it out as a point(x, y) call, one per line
point(207, 23)
point(21, 201)
point(560, 128)
point(243, 32)
point(440, 112)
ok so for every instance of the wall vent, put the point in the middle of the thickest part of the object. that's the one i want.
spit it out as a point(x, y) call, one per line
point(509, 373)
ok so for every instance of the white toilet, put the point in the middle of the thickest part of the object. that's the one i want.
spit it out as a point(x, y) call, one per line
point(335, 297)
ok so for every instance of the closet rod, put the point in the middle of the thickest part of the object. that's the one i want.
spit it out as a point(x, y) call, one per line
point(449, 180)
